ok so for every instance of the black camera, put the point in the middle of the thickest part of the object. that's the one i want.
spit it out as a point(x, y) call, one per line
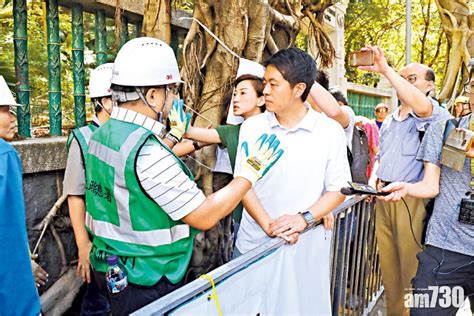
point(466, 214)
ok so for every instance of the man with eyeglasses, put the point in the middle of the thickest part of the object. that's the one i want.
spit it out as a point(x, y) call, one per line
point(400, 136)
point(445, 276)
point(381, 111)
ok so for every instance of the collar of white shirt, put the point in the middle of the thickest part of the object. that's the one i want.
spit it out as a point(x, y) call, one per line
point(95, 119)
point(308, 122)
point(126, 115)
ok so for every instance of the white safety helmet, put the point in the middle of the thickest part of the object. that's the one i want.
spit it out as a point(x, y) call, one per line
point(99, 83)
point(145, 62)
point(461, 99)
point(6, 97)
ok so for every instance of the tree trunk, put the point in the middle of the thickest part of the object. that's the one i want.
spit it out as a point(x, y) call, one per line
point(457, 21)
point(213, 247)
point(157, 19)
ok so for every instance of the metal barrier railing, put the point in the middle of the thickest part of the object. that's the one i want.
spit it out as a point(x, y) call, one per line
point(355, 274)
point(356, 279)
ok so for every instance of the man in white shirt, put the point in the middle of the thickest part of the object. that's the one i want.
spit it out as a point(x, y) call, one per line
point(305, 185)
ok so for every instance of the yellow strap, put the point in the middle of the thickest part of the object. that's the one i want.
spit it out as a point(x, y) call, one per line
point(214, 293)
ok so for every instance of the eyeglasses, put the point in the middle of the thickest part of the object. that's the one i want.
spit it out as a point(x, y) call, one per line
point(383, 110)
point(176, 89)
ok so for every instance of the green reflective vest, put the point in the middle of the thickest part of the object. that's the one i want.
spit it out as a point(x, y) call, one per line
point(82, 136)
point(122, 218)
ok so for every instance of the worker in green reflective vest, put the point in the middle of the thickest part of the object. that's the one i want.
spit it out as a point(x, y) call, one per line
point(143, 204)
point(75, 180)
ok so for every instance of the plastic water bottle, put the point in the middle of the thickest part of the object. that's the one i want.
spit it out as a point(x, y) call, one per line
point(116, 275)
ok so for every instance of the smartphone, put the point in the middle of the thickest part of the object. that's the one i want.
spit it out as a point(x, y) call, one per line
point(361, 58)
point(361, 188)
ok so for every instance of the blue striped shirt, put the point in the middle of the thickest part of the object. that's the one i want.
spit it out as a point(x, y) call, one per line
point(399, 143)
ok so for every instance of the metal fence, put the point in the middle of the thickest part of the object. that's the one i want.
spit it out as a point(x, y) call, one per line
point(356, 279)
point(355, 274)
point(77, 8)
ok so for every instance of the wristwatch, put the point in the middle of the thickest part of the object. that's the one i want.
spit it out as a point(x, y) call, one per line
point(196, 145)
point(308, 217)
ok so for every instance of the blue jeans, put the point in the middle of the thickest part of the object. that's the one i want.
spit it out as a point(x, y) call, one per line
point(93, 302)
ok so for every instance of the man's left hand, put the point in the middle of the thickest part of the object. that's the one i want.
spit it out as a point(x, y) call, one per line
point(39, 274)
point(328, 221)
point(288, 225)
point(470, 152)
point(291, 239)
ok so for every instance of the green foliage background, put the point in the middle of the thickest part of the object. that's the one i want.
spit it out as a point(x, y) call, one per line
point(376, 22)
point(38, 57)
point(382, 23)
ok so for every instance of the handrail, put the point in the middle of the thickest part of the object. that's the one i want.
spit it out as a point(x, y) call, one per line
point(190, 290)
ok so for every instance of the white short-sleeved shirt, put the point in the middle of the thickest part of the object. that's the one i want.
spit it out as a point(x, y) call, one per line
point(159, 172)
point(74, 182)
point(314, 161)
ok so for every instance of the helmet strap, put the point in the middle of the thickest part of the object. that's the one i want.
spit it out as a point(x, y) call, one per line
point(158, 113)
point(102, 106)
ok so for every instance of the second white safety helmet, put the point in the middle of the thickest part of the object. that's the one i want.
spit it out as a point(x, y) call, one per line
point(6, 97)
point(99, 82)
point(145, 62)
point(462, 99)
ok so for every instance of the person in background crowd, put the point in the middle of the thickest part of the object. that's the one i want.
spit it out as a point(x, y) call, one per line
point(461, 106)
point(396, 161)
point(247, 101)
point(18, 295)
point(75, 181)
point(372, 132)
point(381, 112)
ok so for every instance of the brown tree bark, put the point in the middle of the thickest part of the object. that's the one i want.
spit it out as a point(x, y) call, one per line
point(458, 25)
point(157, 19)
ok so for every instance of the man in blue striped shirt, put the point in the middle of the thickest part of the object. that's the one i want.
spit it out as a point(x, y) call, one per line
point(398, 226)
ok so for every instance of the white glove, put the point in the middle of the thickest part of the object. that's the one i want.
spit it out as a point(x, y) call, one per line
point(262, 157)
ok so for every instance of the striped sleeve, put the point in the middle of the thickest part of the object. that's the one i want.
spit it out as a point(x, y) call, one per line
point(166, 183)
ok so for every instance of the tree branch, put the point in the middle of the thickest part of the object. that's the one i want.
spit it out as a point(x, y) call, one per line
point(286, 21)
